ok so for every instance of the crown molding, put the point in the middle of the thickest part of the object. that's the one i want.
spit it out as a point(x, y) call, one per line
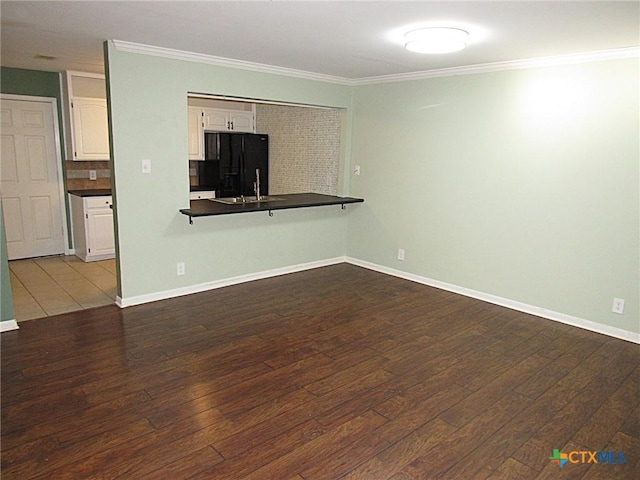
point(171, 53)
point(603, 55)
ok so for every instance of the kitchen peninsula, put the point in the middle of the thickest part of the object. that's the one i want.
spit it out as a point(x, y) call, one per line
point(210, 207)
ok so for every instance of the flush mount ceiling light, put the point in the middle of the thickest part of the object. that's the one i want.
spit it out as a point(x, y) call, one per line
point(436, 40)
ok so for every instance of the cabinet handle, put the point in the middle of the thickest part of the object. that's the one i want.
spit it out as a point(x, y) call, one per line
point(231, 125)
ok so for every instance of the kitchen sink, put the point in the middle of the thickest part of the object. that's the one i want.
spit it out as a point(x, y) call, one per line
point(248, 199)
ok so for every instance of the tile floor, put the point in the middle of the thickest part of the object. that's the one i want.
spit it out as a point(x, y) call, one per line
point(48, 286)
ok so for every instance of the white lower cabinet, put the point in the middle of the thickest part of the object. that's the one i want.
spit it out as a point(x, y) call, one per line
point(93, 236)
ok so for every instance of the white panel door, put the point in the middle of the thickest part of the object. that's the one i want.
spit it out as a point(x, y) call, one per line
point(29, 180)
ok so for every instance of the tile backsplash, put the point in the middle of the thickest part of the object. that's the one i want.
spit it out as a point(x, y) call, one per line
point(304, 148)
point(78, 175)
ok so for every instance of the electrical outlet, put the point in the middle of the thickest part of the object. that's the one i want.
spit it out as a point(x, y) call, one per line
point(618, 306)
point(180, 268)
point(93, 175)
point(400, 254)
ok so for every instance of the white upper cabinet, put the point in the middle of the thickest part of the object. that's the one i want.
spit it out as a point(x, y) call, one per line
point(242, 122)
point(196, 133)
point(219, 120)
point(204, 118)
point(90, 129)
point(87, 135)
point(215, 119)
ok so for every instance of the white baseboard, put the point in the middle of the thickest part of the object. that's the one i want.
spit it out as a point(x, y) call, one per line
point(504, 302)
point(486, 297)
point(203, 287)
point(8, 325)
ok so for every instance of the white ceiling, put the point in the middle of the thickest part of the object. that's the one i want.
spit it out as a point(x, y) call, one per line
point(350, 40)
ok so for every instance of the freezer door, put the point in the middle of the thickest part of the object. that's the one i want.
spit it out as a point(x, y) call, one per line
point(209, 169)
point(255, 155)
point(230, 171)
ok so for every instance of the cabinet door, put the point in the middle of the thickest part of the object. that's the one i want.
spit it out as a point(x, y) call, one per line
point(241, 121)
point(90, 129)
point(216, 120)
point(100, 238)
point(196, 134)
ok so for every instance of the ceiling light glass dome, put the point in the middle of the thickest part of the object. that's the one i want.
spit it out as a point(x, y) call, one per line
point(436, 40)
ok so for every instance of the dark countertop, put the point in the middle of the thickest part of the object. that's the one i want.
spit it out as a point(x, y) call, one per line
point(91, 193)
point(205, 208)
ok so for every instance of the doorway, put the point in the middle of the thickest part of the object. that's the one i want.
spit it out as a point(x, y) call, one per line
point(31, 184)
point(45, 280)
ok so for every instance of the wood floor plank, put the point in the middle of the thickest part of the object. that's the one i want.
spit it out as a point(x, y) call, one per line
point(498, 448)
point(629, 469)
point(454, 451)
point(319, 449)
point(80, 423)
point(631, 426)
point(263, 453)
point(350, 374)
point(564, 424)
point(600, 428)
point(185, 467)
point(406, 443)
point(476, 403)
point(511, 469)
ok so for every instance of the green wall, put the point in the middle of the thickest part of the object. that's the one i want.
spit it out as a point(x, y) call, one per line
point(6, 300)
point(30, 82)
point(522, 185)
point(148, 108)
point(519, 184)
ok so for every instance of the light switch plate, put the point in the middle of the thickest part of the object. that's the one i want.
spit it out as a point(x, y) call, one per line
point(93, 175)
point(146, 166)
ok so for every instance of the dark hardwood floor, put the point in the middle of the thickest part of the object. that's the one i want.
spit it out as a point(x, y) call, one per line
point(337, 372)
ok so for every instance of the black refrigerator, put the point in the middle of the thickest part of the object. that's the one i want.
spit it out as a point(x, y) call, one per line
point(230, 163)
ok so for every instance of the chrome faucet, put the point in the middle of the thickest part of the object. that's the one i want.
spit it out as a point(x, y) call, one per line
point(256, 185)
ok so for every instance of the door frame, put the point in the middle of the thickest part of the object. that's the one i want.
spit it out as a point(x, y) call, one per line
point(58, 152)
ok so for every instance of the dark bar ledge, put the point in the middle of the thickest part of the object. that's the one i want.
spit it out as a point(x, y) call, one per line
point(207, 208)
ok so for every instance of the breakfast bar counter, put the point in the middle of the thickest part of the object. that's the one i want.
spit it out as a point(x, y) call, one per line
point(210, 207)
point(102, 192)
